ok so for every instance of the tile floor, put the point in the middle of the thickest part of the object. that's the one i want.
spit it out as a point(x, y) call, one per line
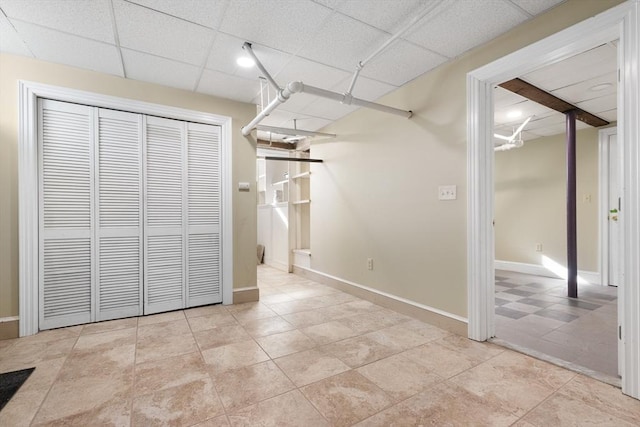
point(306, 355)
point(534, 312)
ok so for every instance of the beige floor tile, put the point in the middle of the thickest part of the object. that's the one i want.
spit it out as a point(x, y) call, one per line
point(397, 338)
point(269, 326)
point(447, 405)
point(480, 351)
point(603, 397)
point(440, 359)
point(167, 373)
point(522, 423)
point(289, 409)
point(99, 341)
point(398, 415)
point(44, 375)
point(329, 332)
point(297, 305)
point(503, 379)
point(358, 351)
point(156, 348)
point(110, 325)
point(5, 344)
point(28, 353)
point(115, 413)
point(429, 332)
point(346, 398)
point(205, 310)
point(22, 408)
point(245, 386)
point(163, 329)
point(100, 363)
point(285, 343)
point(364, 323)
point(308, 318)
point(234, 356)
point(399, 377)
point(219, 421)
point(560, 410)
point(161, 318)
point(220, 336)
point(254, 312)
point(186, 404)
point(211, 321)
point(273, 297)
point(310, 366)
point(79, 394)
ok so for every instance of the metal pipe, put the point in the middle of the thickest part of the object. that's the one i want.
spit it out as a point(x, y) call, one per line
point(247, 47)
point(283, 96)
point(572, 244)
point(386, 44)
point(292, 159)
point(293, 132)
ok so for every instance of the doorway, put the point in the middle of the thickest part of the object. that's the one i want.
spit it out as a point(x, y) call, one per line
point(618, 22)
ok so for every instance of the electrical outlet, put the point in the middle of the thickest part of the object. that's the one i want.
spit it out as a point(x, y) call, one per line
point(586, 198)
point(538, 247)
point(447, 192)
point(369, 263)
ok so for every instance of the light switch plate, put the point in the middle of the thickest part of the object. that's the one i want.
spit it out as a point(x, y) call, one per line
point(244, 186)
point(447, 192)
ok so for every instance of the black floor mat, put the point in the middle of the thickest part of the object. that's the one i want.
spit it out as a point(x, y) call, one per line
point(10, 382)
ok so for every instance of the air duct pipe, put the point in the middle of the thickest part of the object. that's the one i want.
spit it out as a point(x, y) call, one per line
point(283, 96)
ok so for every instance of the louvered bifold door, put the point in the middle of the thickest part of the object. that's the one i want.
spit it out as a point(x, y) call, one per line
point(119, 219)
point(66, 139)
point(164, 272)
point(203, 231)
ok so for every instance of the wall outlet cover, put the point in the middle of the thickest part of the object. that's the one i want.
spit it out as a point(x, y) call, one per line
point(447, 192)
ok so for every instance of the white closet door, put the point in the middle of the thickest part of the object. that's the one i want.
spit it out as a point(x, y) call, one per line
point(119, 219)
point(164, 215)
point(203, 231)
point(65, 138)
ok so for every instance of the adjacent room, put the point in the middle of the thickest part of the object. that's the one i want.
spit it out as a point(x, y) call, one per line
point(319, 212)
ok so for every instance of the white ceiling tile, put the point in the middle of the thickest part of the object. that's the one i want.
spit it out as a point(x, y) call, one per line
point(526, 108)
point(598, 105)
point(610, 115)
point(402, 62)
point(303, 121)
point(465, 25)
point(535, 7)
point(283, 25)
point(227, 49)
point(365, 88)
point(55, 46)
point(149, 68)
point(592, 63)
point(207, 13)
point(311, 73)
point(388, 15)
point(343, 42)
point(153, 32)
point(226, 86)
point(91, 19)
point(331, 4)
point(10, 41)
point(582, 91)
point(327, 109)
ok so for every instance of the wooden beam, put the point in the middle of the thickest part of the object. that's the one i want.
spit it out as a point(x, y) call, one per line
point(543, 97)
point(278, 144)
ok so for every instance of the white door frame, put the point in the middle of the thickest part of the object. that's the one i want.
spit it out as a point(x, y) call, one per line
point(29, 92)
point(603, 202)
point(620, 22)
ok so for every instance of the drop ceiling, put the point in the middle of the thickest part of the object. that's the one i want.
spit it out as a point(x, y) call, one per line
point(194, 44)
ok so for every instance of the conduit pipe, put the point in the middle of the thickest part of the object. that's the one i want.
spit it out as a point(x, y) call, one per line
point(293, 132)
point(247, 47)
point(295, 87)
point(386, 44)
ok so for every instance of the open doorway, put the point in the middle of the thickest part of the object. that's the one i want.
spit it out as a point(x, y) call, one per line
point(533, 311)
point(618, 22)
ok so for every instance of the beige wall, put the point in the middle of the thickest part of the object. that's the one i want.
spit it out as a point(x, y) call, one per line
point(14, 68)
point(376, 194)
point(530, 197)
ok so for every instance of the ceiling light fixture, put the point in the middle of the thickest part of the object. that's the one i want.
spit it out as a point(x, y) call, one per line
point(601, 86)
point(514, 114)
point(245, 62)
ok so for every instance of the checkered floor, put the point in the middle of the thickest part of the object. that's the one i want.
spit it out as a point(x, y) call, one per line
point(534, 312)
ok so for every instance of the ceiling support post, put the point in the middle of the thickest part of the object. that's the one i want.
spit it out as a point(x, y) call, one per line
point(572, 244)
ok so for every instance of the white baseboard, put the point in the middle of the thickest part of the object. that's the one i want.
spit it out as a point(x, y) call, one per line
point(440, 318)
point(591, 277)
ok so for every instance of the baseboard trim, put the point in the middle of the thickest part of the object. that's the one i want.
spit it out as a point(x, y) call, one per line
point(248, 294)
point(591, 277)
point(9, 328)
point(440, 318)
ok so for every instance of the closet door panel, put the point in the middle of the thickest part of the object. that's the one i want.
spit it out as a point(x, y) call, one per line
point(164, 215)
point(203, 183)
point(65, 138)
point(119, 224)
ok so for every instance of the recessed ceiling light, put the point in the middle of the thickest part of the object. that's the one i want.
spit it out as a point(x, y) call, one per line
point(245, 62)
point(514, 114)
point(601, 86)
